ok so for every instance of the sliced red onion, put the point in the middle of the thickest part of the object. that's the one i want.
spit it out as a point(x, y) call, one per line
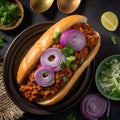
point(44, 76)
point(58, 57)
point(93, 106)
point(73, 37)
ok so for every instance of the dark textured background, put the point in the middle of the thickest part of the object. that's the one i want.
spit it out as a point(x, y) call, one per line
point(93, 9)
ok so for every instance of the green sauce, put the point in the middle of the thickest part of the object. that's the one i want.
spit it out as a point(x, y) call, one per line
point(9, 13)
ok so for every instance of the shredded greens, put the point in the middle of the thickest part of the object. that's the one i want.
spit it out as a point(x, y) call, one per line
point(9, 13)
point(110, 78)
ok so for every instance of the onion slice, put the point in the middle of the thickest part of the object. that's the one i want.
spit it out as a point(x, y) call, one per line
point(93, 106)
point(52, 57)
point(44, 76)
point(73, 37)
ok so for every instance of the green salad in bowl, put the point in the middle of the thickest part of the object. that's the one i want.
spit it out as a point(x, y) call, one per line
point(107, 77)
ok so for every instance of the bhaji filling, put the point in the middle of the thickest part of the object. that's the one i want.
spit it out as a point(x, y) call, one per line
point(47, 79)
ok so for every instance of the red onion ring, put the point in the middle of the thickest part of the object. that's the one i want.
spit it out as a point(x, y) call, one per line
point(55, 63)
point(42, 79)
point(93, 106)
point(73, 37)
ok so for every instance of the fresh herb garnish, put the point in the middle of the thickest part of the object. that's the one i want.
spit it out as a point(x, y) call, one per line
point(68, 50)
point(73, 66)
point(69, 60)
point(47, 88)
point(1, 41)
point(82, 60)
point(114, 41)
point(53, 81)
point(64, 78)
point(70, 117)
point(56, 38)
point(9, 13)
point(62, 65)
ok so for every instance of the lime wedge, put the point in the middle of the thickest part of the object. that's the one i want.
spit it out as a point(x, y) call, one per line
point(109, 20)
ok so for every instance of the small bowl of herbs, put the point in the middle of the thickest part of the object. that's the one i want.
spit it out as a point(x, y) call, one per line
point(107, 77)
point(11, 14)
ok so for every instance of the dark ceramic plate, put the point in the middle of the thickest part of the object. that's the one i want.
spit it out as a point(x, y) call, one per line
point(13, 56)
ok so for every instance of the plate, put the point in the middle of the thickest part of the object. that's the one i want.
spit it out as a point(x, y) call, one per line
point(14, 55)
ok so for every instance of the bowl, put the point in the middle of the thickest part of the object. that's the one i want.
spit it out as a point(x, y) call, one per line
point(12, 58)
point(107, 77)
point(11, 15)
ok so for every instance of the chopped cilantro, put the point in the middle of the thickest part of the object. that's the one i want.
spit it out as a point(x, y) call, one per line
point(53, 81)
point(62, 65)
point(56, 38)
point(9, 13)
point(1, 41)
point(73, 66)
point(114, 41)
point(70, 117)
point(68, 50)
point(47, 88)
point(69, 60)
point(64, 78)
point(82, 60)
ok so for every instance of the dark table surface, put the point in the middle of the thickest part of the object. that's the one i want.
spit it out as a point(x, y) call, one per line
point(93, 9)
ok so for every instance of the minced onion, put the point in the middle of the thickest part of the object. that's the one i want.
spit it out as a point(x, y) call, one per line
point(44, 76)
point(93, 106)
point(73, 37)
point(52, 57)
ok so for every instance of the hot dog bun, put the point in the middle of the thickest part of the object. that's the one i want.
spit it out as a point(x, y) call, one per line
point(44, 42)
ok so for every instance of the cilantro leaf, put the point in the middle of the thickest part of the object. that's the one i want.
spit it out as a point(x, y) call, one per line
point(56, 38)
point(73, 66)
point(62, 65)
point(82, 60)
point(70, 117)
point(1, 41)
point(68, 50)
point(69, 60)
point(114, 41)
point(64, 78)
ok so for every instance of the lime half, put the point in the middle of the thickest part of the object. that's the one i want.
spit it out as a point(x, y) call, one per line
point(109, 20)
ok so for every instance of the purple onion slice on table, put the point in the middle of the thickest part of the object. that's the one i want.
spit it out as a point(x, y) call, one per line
point(93, 106)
